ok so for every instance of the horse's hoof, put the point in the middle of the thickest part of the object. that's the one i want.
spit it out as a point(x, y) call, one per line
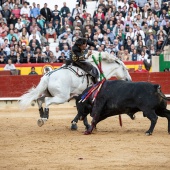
point(87, 132)
point(74, 126)
point(148, 133)
point(40, 122)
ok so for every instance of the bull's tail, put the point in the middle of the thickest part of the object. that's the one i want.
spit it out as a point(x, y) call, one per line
point(158, 87)
point(34, 93)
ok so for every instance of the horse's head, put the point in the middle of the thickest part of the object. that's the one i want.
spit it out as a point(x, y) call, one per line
point(111, 66)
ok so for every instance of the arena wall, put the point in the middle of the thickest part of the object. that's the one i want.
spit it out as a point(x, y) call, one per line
point(39, 67)
point(15, 86)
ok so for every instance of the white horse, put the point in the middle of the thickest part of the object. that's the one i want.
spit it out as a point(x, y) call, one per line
point(57, 86)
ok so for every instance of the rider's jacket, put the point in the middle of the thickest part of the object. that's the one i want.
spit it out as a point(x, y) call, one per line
point(79, 55)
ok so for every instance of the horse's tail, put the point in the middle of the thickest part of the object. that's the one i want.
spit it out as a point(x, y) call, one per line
point(34, 93)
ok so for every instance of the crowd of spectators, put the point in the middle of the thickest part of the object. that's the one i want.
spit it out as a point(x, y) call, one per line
point(132, 30)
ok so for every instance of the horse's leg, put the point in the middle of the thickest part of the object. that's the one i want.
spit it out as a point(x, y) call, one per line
point(48, 102)
point(40, 101)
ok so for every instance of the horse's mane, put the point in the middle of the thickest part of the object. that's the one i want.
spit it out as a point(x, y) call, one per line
point(106, 57)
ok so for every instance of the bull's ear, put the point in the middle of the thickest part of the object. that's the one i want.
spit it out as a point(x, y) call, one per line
point(73, 97)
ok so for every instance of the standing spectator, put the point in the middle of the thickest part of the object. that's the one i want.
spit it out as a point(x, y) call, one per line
point(25, 10)
point(6, 13)
point(16, 11)
point(35, 12)
point(56, 14)
point(46, 13)
point(64, 10)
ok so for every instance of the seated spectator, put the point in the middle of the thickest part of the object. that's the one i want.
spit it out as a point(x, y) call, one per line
point(3, 30)
point(47, 51)
point(13, 57)
point(143, 56)
point(121, 52)
point(24, 32)
point(50, 31)
point(11, 34)
point(66, 51)
point(33, 72)
point(23, 59)
point(34, 26)
point(57, 27)
point(152, 50)
point(19, 24)
point(127, 56)
point(24, 40)
point(35, 35)
point(134, 55)
point(9, 66)
point(141, 70)
point(42, 23)
point(62, 58)
point(36, 58)
point(52, 58)
point(25, 21)
point(151, 41)
point(34, 40)
point(57, 52)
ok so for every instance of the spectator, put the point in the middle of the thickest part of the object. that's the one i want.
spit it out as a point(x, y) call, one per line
point(9, 66)
point(50, 31)
point(140, 70)
point(16, 11)
point(62, 58)
point(56, 14)
point(46, 13)
point(35, 12)
point(33, 72)
point(25, 10)
point(64, 10)
point(6, 12)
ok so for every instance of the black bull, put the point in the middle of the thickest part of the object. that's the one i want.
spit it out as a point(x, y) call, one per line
point(118, 97)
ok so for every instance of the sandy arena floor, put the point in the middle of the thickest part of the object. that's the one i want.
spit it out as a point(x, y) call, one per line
point(25, 146)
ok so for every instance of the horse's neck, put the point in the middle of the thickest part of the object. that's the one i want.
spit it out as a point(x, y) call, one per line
point(108, 68)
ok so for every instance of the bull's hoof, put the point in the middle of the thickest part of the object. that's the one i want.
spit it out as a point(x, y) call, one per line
point(40, 122)
point(133, 117)
point(148, 133)
point(87, 132)
point(74, 126)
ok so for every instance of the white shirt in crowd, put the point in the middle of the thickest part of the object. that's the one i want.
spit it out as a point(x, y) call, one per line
point(9, 67)
point(25, 11)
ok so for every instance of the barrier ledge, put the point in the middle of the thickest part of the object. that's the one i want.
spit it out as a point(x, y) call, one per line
point(19, 98)
point(9, 98)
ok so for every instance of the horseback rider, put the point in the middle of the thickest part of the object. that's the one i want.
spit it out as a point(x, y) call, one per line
point(78, 57)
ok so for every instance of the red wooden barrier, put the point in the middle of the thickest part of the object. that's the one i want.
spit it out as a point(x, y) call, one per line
point(15, 86)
